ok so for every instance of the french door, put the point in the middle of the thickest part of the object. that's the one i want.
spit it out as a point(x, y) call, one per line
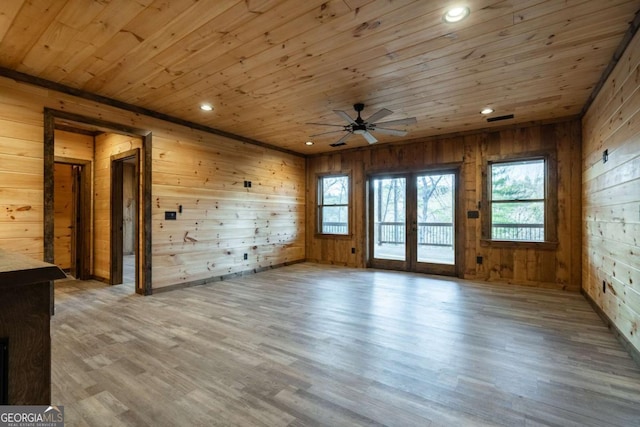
point(413, 222)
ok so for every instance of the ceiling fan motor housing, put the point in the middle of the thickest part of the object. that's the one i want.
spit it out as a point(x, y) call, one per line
point(360, 127)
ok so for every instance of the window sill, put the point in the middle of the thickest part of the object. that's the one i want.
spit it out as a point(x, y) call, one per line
point(543, 246)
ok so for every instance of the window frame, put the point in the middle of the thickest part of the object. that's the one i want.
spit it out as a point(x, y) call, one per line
point(550, 200)
point(319, 204)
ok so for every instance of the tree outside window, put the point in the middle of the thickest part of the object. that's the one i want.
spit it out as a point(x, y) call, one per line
point(333, 204)
point(518, 200)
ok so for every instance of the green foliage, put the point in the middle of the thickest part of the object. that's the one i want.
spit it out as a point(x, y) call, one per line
point(517, 192)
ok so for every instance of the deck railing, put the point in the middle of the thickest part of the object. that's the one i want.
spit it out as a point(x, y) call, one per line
point(429, 233)
point(334, 228)
point(441, 233)
point(524, 232)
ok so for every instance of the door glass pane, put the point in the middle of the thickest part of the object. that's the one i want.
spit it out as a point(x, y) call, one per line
point(389, 225)
point(436, 218)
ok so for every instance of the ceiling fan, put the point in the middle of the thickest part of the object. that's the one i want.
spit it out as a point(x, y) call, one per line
point(359, 126)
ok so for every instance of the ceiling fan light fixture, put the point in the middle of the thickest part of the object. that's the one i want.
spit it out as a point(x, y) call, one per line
point(359, 131)
point(455, 14)
point(486, 110)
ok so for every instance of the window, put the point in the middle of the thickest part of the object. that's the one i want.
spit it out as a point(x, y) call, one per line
point(333, 204)
point(520, 200)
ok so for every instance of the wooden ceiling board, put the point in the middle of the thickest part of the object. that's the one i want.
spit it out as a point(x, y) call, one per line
point(433, 66)
point(270, 51)
point(9, 13)
point(324, 88)
point(267, 83)
point(526, 77)
point(270, 66)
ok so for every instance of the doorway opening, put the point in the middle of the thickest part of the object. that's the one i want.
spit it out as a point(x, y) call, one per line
point(72, 216)
point(413, 222)
point(124, 217)
point(113, 153)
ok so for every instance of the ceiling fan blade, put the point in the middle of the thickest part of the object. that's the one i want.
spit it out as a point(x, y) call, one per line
point(408, 121)
point(345, 116)
point(324, 124)
point(370, 138)
point(394, 132)
point(324, 133)
point(379, 115)
point(343, 139)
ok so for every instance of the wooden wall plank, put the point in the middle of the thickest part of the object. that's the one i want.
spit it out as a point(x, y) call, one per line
point(21, 182)
point(63, 212)
point(221, 219)
point(611, 196)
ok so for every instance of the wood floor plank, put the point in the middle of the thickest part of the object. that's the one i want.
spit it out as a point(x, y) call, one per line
point(323, 345)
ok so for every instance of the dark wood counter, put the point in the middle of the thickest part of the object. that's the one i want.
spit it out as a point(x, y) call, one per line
point(26, 301)
point(21, 270)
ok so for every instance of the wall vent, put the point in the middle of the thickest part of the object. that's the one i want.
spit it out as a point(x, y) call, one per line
point(498, 118)
point(338, 144)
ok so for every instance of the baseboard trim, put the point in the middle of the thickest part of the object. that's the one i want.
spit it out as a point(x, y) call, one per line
point(100, 279)
point(633, 352)
point(221, 278)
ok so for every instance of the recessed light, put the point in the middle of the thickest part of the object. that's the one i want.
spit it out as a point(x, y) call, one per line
point(455, 14)
point(308, 143)
point(206, 107)
point(486, 110)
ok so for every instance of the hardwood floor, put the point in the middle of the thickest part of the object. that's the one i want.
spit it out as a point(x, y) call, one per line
point(322, 345)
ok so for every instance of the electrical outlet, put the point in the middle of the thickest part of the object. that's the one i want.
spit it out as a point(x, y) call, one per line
point(478, 260)
point(353, 250)
point(246, 256)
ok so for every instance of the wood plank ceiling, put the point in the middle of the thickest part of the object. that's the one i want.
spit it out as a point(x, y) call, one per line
point(270, 66)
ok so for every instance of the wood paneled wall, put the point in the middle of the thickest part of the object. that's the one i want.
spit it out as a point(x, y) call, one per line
point(63, 211)
point(557, 268)
point(21, 165)
point(611, 196)
point(221, 220)
point(72, 145)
